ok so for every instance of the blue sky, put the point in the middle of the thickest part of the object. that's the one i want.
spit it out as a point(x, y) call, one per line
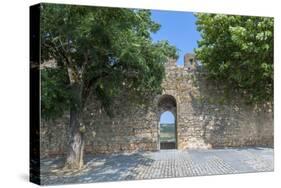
point(167, 117)
point(180, 30)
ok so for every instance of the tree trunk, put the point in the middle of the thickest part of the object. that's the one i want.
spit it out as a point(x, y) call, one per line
point(74, 158)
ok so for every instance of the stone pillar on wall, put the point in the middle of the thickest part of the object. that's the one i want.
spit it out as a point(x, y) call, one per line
point(189, 61)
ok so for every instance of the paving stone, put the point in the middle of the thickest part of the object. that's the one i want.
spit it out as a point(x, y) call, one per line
point(161, 164)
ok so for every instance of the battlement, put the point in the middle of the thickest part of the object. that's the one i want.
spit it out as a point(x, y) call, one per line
point(190, 62)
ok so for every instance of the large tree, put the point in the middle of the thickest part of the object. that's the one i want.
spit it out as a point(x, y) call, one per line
point(238, 50)
point(97, 51)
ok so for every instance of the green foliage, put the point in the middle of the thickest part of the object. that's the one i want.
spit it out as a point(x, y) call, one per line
point(55, 95)
point(102, 50)
point(238, 50)
point(167, 127)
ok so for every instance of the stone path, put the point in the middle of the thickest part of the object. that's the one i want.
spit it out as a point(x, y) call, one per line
point(161, 164)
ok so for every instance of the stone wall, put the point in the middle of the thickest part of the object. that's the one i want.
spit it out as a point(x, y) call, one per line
point(204, 119)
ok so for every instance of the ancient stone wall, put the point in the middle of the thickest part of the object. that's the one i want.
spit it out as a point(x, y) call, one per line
point(205, 118)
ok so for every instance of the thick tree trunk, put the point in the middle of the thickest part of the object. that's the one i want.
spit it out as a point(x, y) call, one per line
point(74, 158)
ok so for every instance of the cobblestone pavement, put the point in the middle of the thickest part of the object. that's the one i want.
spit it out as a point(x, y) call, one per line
point(161, 164)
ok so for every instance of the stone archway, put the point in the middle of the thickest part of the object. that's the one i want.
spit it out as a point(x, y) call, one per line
point(167, 103)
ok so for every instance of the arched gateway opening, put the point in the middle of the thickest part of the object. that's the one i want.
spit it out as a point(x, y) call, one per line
point(167, 113)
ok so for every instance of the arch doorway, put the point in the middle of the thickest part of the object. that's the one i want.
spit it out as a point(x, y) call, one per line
point(167, 131)
point(167, 134)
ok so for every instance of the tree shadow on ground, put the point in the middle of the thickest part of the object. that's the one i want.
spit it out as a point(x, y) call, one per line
point(97, 168)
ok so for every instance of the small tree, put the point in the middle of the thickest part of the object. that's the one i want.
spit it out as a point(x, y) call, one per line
point(238, 50)
point(98, 51)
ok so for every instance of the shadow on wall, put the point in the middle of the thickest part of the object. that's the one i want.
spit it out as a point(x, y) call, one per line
point(226, 120)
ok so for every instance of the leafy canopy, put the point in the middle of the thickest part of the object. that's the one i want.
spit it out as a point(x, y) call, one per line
point(238, 50)
point(101, 50)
